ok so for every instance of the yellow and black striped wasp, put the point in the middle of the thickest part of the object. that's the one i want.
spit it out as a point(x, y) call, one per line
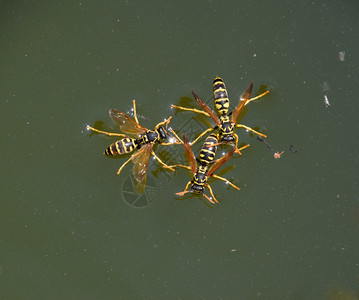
point(226, 121)
point(143, 139)
point(205, 167)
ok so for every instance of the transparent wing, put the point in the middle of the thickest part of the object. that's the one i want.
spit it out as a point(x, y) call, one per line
point(126, 124)
point(207, 109)
point(140, 162)
point(219, 162)
point(140, 186)
point(190, 155)
point(242, 102)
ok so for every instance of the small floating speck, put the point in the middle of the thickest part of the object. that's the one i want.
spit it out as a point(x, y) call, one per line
point(325, 86)
point(326, 101)
point(341, 55)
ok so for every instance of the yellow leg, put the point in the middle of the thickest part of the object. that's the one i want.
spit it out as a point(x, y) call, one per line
point(191, 109)
point(105, 132)
point(126, 162)
point(176, 136)
point(169, 144)
point(164, 122)
point(250, 129)
point(225, 180)
point(134, 111)
point(161, 162)
point(211, 192)
point(180, 166)
point(236, 140)
point(244, 147)
point(236, 143)
point(202, 134)
point(255, 98)
point(185, 190)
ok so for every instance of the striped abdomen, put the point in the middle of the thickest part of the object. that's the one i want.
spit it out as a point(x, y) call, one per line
point(220, 95)
point(208, 151)
point(123, 146)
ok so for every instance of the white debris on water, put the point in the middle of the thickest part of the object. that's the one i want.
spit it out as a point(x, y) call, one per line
point(341, 55)
point(326, 101)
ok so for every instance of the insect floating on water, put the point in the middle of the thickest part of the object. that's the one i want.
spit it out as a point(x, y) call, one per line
point(205, 167)
point(142, 139)
point(138, 142)
point(226, 121)
point(278, 155)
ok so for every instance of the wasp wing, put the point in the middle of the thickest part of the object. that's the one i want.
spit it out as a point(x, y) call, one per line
point(190, 155)
point(206, 108)
point(219, 162)
point(140, 162)
point(140, 186)
point(242, 102)
point(126, 124)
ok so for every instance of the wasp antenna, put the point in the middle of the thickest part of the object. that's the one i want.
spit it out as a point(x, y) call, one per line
point(182, 193)
point(209, 199)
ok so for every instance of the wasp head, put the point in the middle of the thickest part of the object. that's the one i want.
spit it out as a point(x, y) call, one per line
point(162, 133)
point(227, 138)
point(197, 189)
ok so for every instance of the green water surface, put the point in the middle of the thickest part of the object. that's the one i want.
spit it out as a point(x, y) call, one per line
point(71, 229)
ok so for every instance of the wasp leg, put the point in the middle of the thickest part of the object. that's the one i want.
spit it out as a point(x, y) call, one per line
point(126, 162)
point(209, 199)
point(161, 162)
point(250, 129)
point(179, 141)
point(257, 97)
point(134, 111)
point(163, 123)
point(176, 136)
point(191, 109)
point(211, 192)
point(181, 166)
point(202, 134)
point(105, 132)
point(236, 142)
point(244, 147)
point(169, 144)
point(225, 180)
point(185, 190)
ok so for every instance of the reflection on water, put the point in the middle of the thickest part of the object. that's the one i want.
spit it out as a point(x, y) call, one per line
point(135, 200)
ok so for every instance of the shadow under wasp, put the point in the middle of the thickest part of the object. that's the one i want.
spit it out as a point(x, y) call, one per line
point(226, 121)
point(143, 139)
point(205, 167)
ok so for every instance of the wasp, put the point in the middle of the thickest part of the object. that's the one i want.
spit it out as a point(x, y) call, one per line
point(142, 139)
point(226, 121)
point(205, 167)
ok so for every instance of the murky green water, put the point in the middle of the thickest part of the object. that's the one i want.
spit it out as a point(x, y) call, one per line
point(72, 229)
